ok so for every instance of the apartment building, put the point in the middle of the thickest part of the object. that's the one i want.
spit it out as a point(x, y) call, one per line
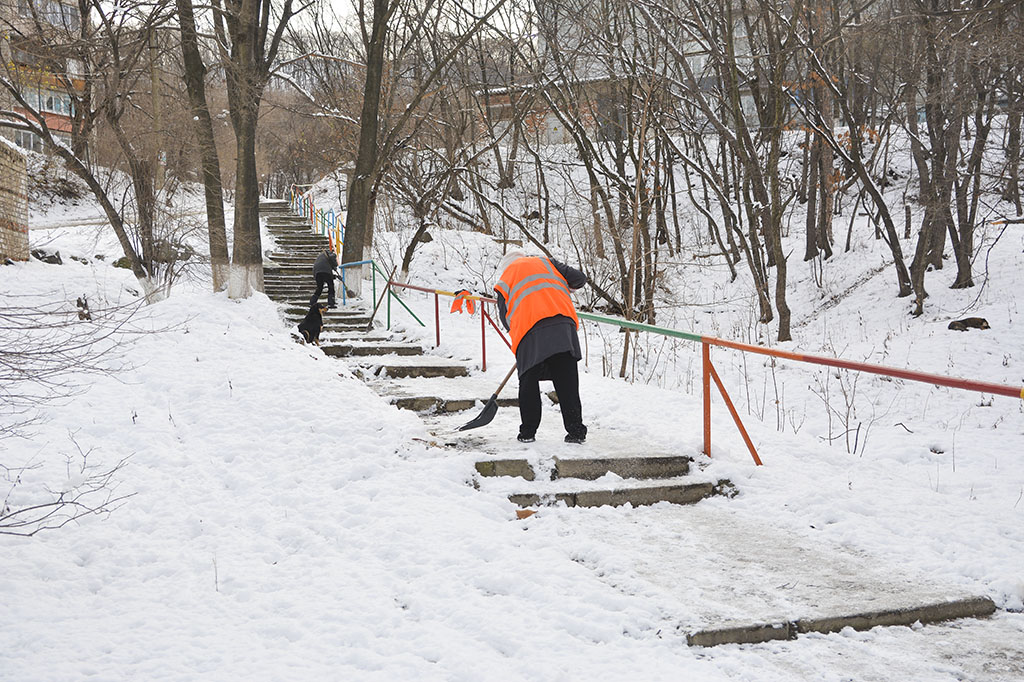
point(36, 59)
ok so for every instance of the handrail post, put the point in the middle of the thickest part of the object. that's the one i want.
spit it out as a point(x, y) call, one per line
point(735, 414)
point(483, 337)
point(437, 318)
point(706, 384)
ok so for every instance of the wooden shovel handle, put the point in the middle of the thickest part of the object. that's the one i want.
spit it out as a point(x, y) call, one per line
point(505, 380)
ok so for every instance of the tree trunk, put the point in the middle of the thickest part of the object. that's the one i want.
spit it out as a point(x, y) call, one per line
point(1013, 122)
point(357, 221)
point(247, 256)
point(811, 222)
point(202, 125)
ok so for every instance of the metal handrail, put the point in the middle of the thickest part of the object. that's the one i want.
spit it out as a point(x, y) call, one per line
point(895, 372)
point(709, 374)
point(484, 316)
point(325, 224)
point(375, 270)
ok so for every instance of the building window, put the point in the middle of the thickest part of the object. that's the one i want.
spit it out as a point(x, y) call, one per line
point(52, 12)
point(50, 101)
point(27, 140)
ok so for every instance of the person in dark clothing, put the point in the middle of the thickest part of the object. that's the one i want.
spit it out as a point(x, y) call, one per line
point(323, 272)
point(534, 305)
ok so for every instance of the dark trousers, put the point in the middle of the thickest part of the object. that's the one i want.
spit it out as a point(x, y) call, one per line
point(323, 278)
point(561, 370)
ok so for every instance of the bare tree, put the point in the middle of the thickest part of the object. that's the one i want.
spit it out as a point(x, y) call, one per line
point(745, 50)
point(45, 351)
point(249, 34)
point(194, 74)
point(376, 149)
point(31, 506)
point(113, 45)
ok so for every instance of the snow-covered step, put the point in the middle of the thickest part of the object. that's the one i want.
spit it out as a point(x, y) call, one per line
point(278, 218)
point(357, 348)
point(298, 309)
point(748, 580)
point(446, 395)
point(274, 206)
point(609, 489)
point(591, 468)
point(640, 495)
point(397, 366)
point(918, 614)
point(434, 404)
point(300, 239)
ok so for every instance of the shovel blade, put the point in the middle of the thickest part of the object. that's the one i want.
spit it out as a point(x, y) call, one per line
point(485, 417)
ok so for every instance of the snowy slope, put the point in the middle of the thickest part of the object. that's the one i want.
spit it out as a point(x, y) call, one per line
point(286, 523)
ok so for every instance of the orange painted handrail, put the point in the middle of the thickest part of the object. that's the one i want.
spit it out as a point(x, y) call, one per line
point(709, 375)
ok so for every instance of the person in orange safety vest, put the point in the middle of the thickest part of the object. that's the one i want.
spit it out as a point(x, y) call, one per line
point(534, 305)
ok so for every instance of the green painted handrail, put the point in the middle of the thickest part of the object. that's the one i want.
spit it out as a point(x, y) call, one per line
point(640, 326)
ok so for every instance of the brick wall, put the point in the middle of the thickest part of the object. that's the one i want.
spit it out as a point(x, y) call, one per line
point(13, 204)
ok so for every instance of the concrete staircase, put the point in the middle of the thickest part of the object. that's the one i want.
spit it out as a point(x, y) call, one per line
point(443, 392)
point(609, 469)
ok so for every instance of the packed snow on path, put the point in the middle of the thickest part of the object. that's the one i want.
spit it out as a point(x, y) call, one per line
point(286, 523)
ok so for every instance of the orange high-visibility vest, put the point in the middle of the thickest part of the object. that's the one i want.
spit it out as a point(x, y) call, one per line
point(533, 290)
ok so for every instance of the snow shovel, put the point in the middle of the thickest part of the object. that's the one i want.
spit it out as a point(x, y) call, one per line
point(490, 409)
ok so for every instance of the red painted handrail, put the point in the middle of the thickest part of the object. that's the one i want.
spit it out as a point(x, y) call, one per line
point(484, 317)
point(710, 375)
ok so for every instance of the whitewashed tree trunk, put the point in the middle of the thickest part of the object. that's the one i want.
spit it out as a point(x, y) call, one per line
point(244, 279)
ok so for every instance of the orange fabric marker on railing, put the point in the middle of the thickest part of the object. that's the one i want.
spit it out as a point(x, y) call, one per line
point(463, 296)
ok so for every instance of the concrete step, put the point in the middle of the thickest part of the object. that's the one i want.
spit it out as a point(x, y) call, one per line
point(296, 277)
point(299, 251)
point(971, 607)
point(301, 285)
point(297, 265)
point(287, 270)
point(289, 266)
point(299, 240)
point(352, 316)
point(332, 321)
point(275, 206)
point(420, 367)
point(287, 227)
point(289, 258)
point(296, 235)
point(591, 468)
point(637, 496)
point(298, 306)
point(279, 232)
point(302, 243)
point(288, 219)
point(436, 405)
point(331, 336)
point(287, 214)
point(296, 257)
point(334, 329)
point(366, 349)
point(285, 217)
point(295, 297)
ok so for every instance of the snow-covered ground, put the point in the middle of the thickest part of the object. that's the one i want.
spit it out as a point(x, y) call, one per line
point(286, 523)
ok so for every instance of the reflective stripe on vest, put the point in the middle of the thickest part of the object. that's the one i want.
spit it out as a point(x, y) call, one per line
point(533, 290)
